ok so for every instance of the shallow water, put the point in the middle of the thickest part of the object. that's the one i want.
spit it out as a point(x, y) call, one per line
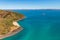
point(39, 25)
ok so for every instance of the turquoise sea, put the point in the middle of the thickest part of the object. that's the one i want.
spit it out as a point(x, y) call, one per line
point(38, 25)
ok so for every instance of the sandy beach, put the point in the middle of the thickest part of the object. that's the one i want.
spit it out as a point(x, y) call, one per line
point(16, 30)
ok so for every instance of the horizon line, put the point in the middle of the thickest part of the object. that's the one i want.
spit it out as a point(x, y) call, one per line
point(29, 9)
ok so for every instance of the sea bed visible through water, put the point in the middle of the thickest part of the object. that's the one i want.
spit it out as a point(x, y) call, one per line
point(38, 25)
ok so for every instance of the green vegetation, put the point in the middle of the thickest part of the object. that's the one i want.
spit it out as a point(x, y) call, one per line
point(6, 20)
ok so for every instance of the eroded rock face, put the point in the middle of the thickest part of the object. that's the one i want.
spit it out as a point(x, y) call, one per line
point(6, 21)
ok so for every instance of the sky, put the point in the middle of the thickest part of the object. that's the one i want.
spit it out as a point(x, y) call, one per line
point(29, 4)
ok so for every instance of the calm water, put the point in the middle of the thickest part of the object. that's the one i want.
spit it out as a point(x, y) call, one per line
point(39, 25)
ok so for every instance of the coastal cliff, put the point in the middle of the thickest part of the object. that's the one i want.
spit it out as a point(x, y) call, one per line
point(8, 23)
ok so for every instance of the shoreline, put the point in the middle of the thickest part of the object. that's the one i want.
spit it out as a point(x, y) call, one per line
point(14, 27)
point(11, 33)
